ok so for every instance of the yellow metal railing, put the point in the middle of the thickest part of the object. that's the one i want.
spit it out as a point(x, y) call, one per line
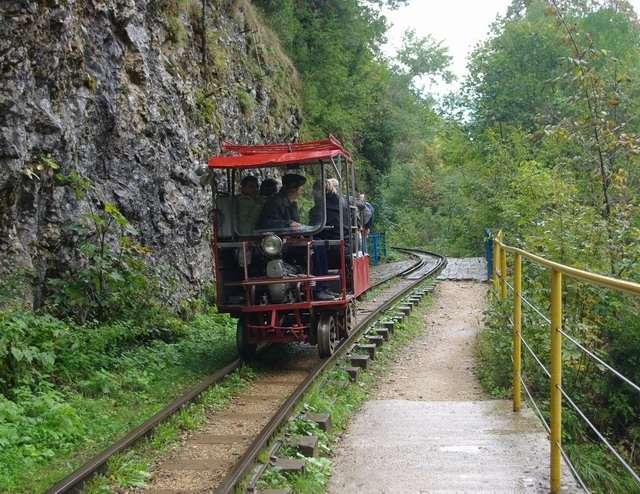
point(501, 286)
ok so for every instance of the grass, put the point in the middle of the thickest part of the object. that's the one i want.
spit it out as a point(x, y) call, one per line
point(51, 430)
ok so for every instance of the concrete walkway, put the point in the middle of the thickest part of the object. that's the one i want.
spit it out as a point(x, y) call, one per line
point(402, 447)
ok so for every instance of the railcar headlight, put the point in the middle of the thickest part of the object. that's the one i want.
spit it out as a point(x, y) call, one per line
point(272, 245)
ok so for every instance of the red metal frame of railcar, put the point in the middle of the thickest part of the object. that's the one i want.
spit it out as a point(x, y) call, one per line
point(296, 320)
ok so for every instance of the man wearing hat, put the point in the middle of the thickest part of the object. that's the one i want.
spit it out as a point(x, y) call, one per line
point(281, 211)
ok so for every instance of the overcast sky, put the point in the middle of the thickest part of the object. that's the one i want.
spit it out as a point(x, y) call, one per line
point(459, 24)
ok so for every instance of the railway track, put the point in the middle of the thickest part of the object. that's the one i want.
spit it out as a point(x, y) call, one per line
point(225, 450)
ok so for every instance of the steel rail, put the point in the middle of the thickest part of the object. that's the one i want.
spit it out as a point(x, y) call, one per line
point(78, 477)
point(416, 267)
point(247, 461)
point(419, 264)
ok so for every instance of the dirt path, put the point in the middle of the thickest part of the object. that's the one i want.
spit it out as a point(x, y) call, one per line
point(441, 367)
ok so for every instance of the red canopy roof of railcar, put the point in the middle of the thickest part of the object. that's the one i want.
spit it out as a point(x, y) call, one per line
point(238, 156)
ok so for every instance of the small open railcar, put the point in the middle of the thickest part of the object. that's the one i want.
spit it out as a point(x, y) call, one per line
point(265, 276)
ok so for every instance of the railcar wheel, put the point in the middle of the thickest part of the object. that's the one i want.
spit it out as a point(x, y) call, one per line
point(327, 334)
point(246, 350)
point(346, 321)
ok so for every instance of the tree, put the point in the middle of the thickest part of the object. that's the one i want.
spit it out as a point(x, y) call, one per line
point(349, 89)
point(602, 98)
point(510, 74)
point(423, 57)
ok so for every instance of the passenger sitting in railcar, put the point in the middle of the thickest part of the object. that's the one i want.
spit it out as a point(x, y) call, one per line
point(248, 205)
point(357, 207)
point(326, 255)
point(268, 188)
point(281, 211)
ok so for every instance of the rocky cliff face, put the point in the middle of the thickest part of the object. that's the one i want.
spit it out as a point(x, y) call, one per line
point(131, 95)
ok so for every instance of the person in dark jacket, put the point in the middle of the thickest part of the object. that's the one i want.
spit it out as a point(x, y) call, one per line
point(281, 211)
point(333, 206)
point(268, 188)
point(329, 201)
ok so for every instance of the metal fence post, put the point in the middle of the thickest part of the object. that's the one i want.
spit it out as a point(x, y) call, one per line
point(374, 251)
point(503, 274)
point(517, 330)
point(556, 381)
point(496, 259)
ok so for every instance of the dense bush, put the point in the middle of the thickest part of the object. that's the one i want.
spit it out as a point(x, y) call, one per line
point(66, 387)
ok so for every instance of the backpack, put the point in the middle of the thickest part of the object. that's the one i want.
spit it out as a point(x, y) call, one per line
point(368, 213)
